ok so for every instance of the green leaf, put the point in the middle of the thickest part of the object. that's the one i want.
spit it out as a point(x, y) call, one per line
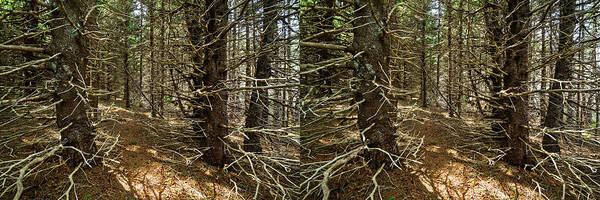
point(87, 196)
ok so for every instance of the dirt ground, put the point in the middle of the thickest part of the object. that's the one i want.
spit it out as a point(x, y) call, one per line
point(151, 161)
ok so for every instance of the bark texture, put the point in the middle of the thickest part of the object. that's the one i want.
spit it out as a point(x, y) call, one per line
point(257, 114)
point(70, 74)
point(375, 116)
point(563, 72)
point(210, 67)
point(515, 65)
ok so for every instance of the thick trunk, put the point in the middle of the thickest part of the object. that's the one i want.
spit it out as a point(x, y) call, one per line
point(515, 65)
point(209, 111)
point(374, 113)
point(563, 72)
point(256, 116)
point(68, 69)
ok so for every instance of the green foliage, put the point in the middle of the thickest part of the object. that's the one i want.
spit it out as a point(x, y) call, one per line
point(87, 196)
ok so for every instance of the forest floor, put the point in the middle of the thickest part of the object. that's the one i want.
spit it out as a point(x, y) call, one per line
point(449, 169)
point(151, 161)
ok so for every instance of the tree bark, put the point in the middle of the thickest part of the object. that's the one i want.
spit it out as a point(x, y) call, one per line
point(495, 33)
point(371, 68)
point(563, 72)
point(126, 95)
point(256, 116)
point(69, 71)
point(451, 107)
point(423, 53)
point(515, 65)
point(210, 111)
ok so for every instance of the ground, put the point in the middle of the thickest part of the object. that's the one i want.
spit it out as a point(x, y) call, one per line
point(149, 161)
point(449, 170)
point(152, 160)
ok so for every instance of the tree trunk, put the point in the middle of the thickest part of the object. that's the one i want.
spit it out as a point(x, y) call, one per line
point(161, 66)
point(563, 72)
point(152, 60)
point(256, 116)
point(108, 82)
point(210, 112)
point(460, 60)
point(451, 111)
point(141, 48)
point(68, 69)
point(543, 103)
point(515, 65)
point(374, 114)
point(126, 95)
point(495, 33)
point(422, 57)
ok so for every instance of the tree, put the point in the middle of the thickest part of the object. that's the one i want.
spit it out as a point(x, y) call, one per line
point(563, 72)
point(375, 111)
point(259, 104)
point(515, 65)
point(209, 73)
point(69, 71)
point(423, 53)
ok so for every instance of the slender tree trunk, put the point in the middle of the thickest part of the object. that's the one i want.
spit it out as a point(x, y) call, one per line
point(374, 113)
point(256, 116)
point(515, 65)
point(451, 108)
point(126, 95)
point(248, 40)
point(460, 60)
point(423, 55)
point(152, 60)
point(71, 116)
point(544, 77)
point(141, 49)
point(108, 81)
point(161, 66)
point(495, 33)
point(439, 52)
point(562, 72)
